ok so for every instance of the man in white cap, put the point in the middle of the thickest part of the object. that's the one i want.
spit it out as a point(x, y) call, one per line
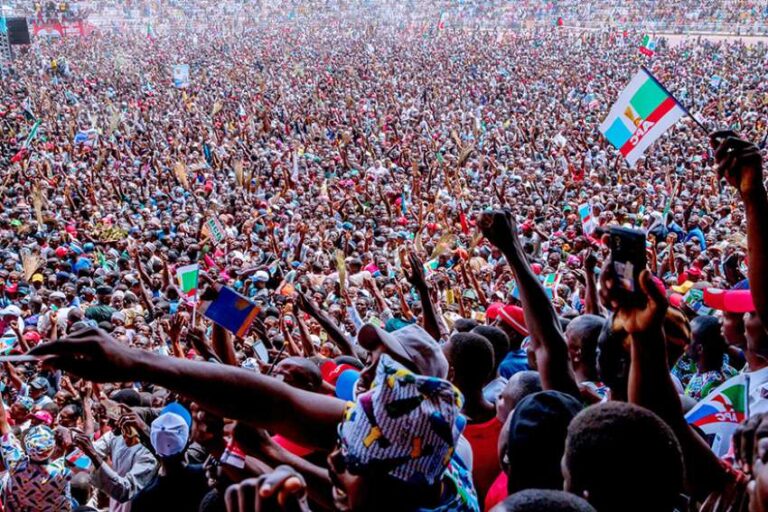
point(178, 485)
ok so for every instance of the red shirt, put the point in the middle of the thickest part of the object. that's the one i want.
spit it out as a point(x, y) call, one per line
point(484, 438)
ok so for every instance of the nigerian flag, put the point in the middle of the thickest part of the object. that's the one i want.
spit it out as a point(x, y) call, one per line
point(188, 278)
point(643, 112)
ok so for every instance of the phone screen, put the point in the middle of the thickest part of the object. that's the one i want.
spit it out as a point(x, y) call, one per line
point(628, 256)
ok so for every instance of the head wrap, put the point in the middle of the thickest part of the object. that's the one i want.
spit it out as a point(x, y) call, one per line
point(405, 426)
point(39, 443)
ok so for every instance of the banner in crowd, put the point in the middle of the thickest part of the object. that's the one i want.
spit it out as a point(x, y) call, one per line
point(231, 311)
point(643, 112)
point(587, 222)
point(181, 76)
point(64, 29)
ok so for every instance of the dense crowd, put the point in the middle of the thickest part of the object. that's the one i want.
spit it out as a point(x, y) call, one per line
point(439, 327)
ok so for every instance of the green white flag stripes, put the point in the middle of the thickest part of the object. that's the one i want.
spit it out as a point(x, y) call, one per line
point(188, 279)
point(643, 112)
point(32, 134)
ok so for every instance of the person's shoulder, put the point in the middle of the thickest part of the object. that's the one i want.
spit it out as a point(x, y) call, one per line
point(145, 496)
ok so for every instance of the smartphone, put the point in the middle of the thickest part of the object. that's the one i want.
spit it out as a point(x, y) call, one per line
point(628, 257)
point(261, 351)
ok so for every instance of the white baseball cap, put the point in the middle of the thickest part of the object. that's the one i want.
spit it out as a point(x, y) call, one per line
point(169, 434)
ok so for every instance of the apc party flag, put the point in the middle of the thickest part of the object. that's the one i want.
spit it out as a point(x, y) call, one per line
point(721, 412)
point(643, 112)
point(648, 46)
point(188, 277)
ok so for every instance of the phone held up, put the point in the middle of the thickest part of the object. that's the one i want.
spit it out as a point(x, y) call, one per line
point(629, 259)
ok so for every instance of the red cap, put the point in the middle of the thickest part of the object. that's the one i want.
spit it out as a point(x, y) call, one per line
point(513, 316)
point(730, 301)
point(327, 368)
point(32, 336)
point(61, 252)
point(694, 272)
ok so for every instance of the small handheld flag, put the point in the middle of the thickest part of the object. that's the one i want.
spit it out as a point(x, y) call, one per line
point(188, 277)
point(643, 112)
point(587, 222)
point(32, 134)
point(441, 21)
point(648, 46)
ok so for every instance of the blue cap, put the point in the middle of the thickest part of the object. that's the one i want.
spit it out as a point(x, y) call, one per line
point(177, 408)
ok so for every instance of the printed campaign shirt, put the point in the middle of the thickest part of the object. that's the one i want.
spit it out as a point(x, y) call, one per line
point(32, 487)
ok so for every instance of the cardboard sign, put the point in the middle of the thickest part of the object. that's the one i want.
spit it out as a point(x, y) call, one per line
point(216, 230)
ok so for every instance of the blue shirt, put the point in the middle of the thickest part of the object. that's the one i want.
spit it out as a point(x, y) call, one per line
point(515, 361)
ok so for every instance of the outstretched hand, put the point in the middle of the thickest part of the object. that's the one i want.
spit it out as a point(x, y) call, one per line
point(416, 276)
point(746, 439)
point(306, 305)
point(639, 316)
point(499, 228)
point(91, 354)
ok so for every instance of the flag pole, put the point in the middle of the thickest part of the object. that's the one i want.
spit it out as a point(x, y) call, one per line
point(679, 104)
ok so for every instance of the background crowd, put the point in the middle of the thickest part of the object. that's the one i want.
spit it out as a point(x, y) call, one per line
point(439, 326)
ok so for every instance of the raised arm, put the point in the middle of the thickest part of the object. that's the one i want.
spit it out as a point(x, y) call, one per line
point(650, 382)
point(549, 344)
point(304, 417)
point(416, 278)
point(221, 340)
point(591, 303)
point(334, 333)
point(740, 163)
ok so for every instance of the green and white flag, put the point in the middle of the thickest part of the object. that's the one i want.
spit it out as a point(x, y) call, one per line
point(188, 277)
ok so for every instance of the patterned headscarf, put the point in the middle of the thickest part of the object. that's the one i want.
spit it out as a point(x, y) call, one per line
point(25, 402)
point(39, 443)
point(405, 426)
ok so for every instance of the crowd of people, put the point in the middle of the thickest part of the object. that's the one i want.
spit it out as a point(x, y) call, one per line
point(439, 326)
